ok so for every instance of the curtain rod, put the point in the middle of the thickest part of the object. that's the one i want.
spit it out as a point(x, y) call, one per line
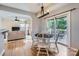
point(61, 13)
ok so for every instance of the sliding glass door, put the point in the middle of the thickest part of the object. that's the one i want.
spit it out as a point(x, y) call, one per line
point(51, 26)
point(60, 24)
point(61, 29)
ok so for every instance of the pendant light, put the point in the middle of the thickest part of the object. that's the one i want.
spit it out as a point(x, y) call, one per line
point(42, 12)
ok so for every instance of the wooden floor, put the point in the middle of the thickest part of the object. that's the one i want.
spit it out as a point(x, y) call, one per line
point(18, 48)
point(23, 48)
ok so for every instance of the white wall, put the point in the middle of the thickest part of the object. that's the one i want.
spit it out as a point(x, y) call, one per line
point(1, 23)
point(35, 25)
point(75, 28)
point(74, 22)
point(8, 23)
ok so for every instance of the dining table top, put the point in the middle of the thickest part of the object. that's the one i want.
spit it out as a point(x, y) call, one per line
point(45, 35)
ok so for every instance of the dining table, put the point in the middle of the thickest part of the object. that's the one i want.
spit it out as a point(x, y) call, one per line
point(44, 37)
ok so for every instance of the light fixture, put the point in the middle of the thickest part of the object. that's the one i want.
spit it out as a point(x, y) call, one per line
point(42, 12)
point(16, 19)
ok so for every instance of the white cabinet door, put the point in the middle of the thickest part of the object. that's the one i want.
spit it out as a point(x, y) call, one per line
point(1, 43)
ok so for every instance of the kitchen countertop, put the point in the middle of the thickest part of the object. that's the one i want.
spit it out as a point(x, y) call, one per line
point(3, 30)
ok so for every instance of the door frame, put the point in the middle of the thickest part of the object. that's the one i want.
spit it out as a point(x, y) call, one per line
point(68, 22)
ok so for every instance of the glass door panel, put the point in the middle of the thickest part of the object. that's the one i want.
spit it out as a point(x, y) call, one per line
point(61, 29)
point(50, 26)
point(60, 24)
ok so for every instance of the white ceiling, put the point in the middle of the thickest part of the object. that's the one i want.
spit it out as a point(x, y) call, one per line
point(5, 14)
point(31, 7)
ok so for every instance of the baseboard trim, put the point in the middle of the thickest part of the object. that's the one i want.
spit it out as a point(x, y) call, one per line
point(71, 48)
point(16, 39)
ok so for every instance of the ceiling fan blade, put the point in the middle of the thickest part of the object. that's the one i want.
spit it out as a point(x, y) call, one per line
point(16, 19)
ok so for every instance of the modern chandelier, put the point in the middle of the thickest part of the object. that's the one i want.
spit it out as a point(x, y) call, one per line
point(43, 12)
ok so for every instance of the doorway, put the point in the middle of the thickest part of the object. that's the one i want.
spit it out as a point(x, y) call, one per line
point(26, 26)
point(60, 24)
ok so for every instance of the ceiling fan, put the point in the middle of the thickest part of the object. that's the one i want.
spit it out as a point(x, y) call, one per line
point(42, 12)
point(16, 19)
